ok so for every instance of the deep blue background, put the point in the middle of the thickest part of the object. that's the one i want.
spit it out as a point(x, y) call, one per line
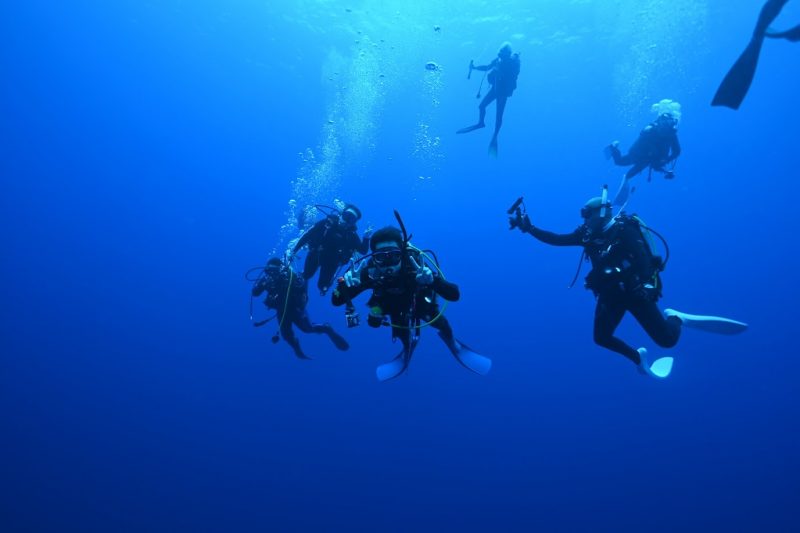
point(147, 156)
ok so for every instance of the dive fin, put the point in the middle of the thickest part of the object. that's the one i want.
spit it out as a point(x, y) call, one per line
point(711, 324)
point(792, 35)
point(624, 192)
point(396, 366)
point(298, 352)
point(338, 341)
point(471, 128)
point(467, 357)
point(659, 369)
point(493, 146)
point(736, 83)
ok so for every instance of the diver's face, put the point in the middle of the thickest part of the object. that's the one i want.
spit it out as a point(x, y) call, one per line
point(387, 258)
point(349, 217)
point(592, 219)
point(666, 121)
point(272, 272)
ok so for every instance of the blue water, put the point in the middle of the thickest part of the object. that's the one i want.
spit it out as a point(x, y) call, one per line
point(149, 152)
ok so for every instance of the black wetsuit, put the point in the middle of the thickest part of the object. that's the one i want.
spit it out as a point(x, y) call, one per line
point(331, 244)
point(403, 301)
point(656, 146)
point(624, 278)
point(278, 291)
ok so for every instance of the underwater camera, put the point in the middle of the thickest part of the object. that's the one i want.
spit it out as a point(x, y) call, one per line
point(352, 317)
point(515, 210)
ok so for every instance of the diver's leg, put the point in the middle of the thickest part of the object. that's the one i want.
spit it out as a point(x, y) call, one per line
point(635, 169)
point(625, 190)
point(304, 324)
point(664, 331)
point(311, 264)
point(501, 107)
point(440, 324)
point(607, 316)
point(327, 270)
point(288, 335)
point(482, 113)
point(399, 364)
point(622, 160)
point(488, 99)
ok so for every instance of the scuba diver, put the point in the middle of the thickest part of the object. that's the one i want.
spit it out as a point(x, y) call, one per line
point(404, 293)
point(502, 75)
point(737, 81)
point(331, 243)
point(656, 147)
point(287, 294)
point(625, 277)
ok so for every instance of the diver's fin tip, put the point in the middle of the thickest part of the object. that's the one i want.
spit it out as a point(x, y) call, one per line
point(661, 368)
point(470, 359)
point(470, 128)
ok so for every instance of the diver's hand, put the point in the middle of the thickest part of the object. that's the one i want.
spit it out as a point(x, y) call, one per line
point(352, 278)
point(525, 224)
point(424, 274)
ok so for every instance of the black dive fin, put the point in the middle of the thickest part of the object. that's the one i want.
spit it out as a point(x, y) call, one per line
point(338, 341)
point(737, 81)
point(734, 86)
point(792, 35)
point(298, 352)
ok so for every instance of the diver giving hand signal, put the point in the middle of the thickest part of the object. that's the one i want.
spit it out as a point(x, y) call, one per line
point(352, 278)
point(424, 274)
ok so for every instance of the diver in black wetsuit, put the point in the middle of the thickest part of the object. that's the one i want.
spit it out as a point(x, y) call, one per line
point(656, 147)
point(503, 74)
point(737, 81)
point(331, 243)
point(625, 277)
point(404, 293)
point(287, 294)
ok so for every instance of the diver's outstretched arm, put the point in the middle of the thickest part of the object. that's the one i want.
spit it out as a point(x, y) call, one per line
point(557, 239)
point(483, 68)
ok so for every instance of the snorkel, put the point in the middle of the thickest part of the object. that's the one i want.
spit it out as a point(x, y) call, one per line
point(604, 202)
point(406, 236)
